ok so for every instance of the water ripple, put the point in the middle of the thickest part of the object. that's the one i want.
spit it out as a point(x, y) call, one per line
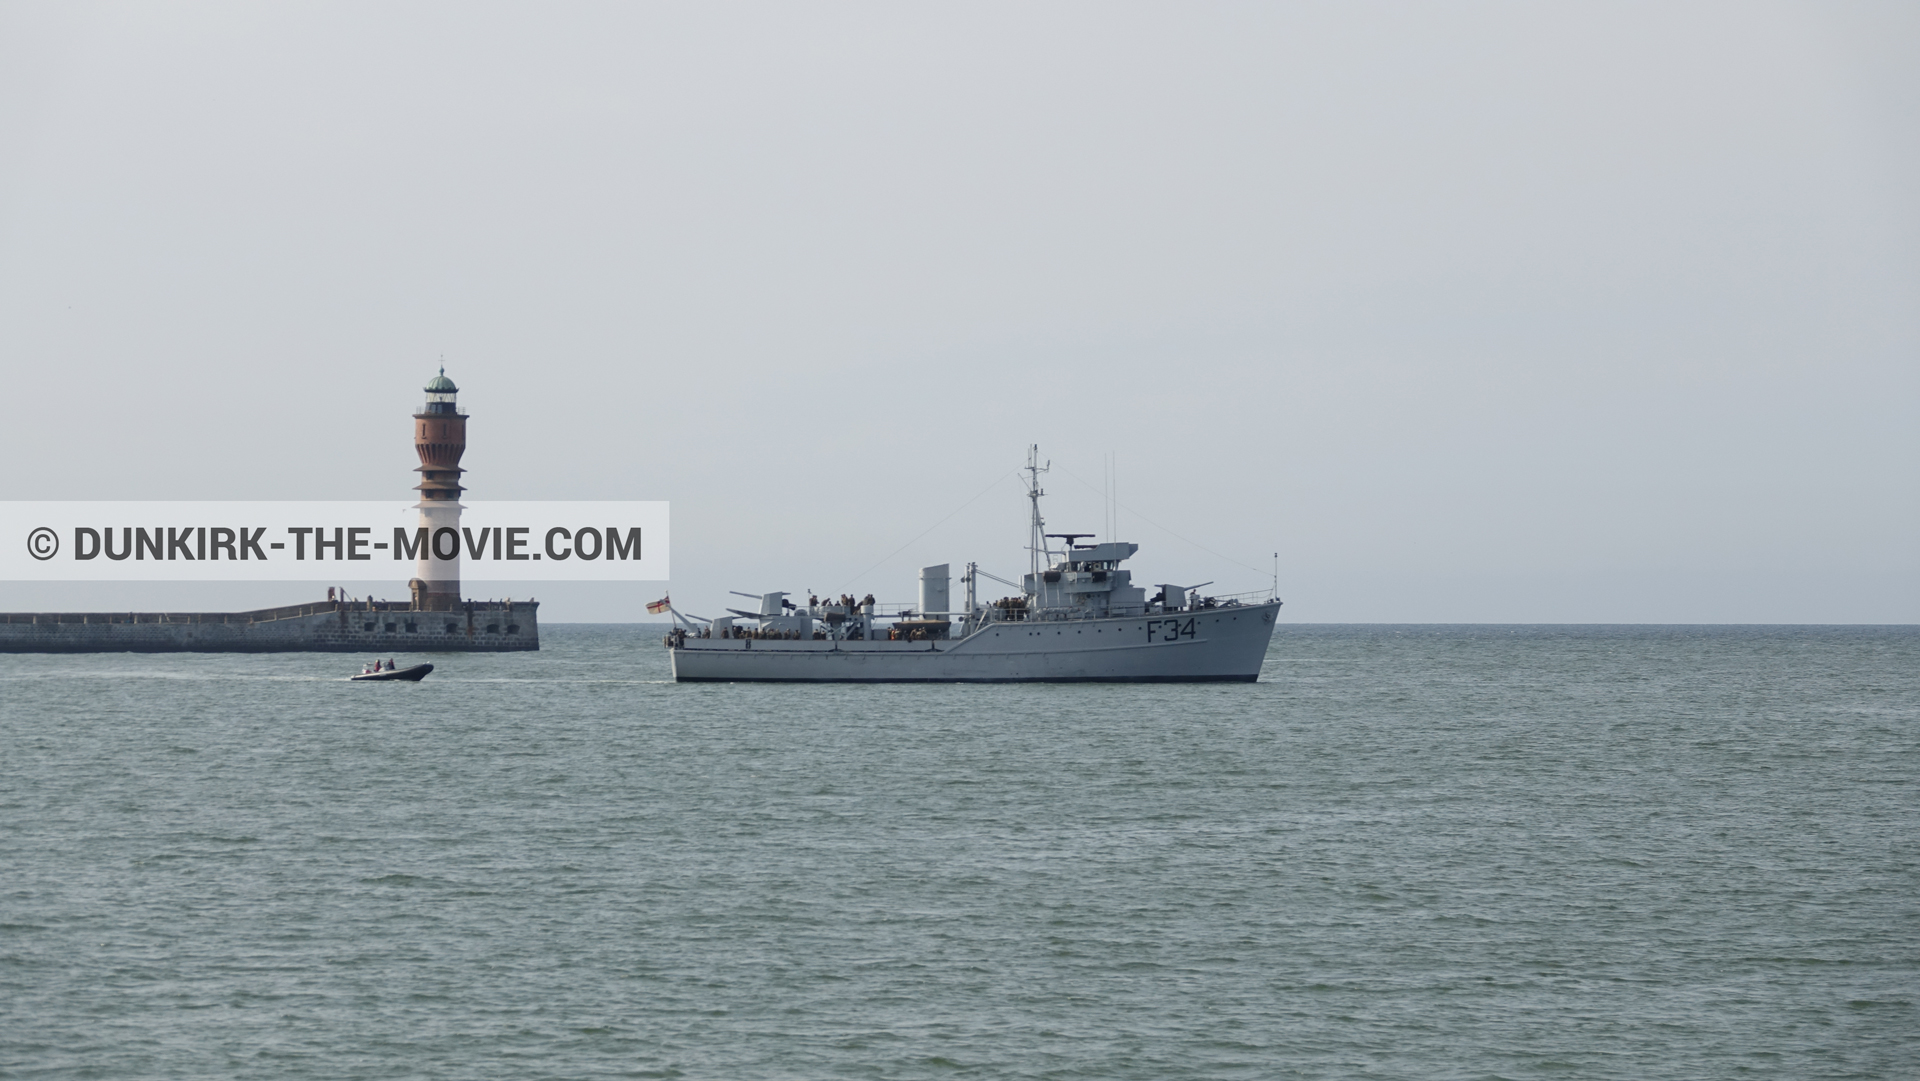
point(1466, 852)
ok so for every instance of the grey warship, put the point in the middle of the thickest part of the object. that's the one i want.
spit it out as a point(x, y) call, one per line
point(1078, 618)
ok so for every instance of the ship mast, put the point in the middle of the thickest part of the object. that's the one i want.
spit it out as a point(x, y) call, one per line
point(1038, 545)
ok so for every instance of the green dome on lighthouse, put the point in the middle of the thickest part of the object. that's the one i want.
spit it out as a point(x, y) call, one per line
point(440, 384)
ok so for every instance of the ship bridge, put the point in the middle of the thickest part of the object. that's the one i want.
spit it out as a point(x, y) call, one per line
point(1085, 582)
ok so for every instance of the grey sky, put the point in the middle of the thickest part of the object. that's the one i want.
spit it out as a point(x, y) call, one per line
point(1509, 312)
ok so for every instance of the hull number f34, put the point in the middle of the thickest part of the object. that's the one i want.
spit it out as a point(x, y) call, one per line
point(1169, 630)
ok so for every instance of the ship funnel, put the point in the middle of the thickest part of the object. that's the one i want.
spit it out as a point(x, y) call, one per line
point(933, 590)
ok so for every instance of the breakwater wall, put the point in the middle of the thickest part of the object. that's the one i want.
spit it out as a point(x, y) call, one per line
point(324, 627)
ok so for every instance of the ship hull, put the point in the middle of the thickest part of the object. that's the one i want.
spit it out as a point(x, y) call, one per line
point(1212, 645)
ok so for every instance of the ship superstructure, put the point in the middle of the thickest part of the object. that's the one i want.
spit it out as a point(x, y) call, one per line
point(1077, 617)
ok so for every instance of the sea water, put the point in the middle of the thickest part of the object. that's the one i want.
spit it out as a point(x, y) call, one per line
point(1432, 852)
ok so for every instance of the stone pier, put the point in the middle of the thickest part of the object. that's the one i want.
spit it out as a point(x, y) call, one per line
point(324, 627)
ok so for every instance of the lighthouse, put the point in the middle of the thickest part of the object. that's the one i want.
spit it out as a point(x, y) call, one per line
point(440, 438)
point(436, 620)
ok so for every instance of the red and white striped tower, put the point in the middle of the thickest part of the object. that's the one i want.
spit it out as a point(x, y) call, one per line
point(440, 438)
